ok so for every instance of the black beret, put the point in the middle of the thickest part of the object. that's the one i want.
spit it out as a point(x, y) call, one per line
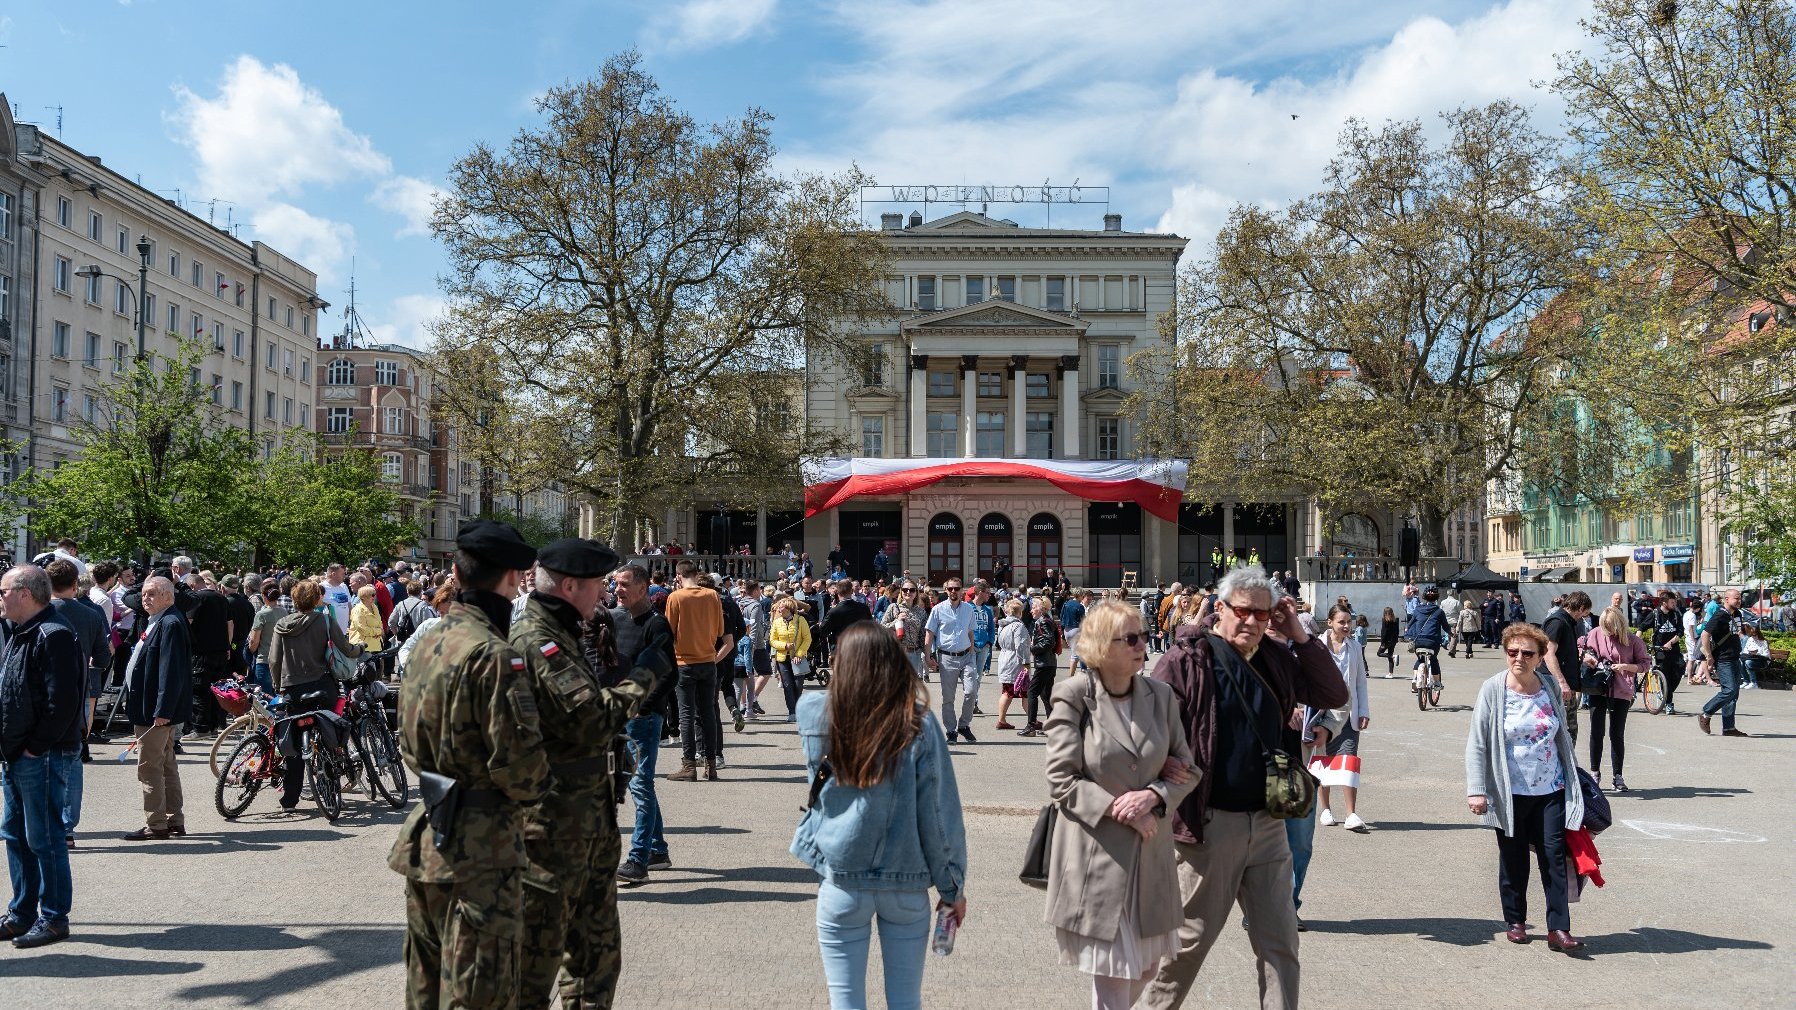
point(495, 543)
point(582, 559)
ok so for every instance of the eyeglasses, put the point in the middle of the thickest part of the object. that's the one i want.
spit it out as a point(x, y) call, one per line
point(1243, 613)
point(1520, 653)
point(1133, 638)
point(950, 589)
point(908, 589)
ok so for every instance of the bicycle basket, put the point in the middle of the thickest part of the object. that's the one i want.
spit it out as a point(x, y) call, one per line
point(231, 697)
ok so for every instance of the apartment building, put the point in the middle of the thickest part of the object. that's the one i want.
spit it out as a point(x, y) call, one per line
point(76, 239)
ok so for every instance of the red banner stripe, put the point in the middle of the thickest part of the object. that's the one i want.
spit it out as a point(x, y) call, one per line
point(1157, 499)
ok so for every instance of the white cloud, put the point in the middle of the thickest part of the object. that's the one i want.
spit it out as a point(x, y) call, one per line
point(319, 243)
point(702, 24)
point(408, 319)
point(414, 200)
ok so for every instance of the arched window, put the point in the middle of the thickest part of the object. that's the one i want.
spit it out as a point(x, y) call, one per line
point(994, 545)
point(945, 546)
point(340, 373)
point(1043, 547)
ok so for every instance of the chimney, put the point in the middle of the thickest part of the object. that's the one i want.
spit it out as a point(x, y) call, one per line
point(1113, 222)
point(916, 219)
point(891, 222)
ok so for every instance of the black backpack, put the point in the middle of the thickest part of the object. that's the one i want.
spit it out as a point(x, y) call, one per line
point(405, 619)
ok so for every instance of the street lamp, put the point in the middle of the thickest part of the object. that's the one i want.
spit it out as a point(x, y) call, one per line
point(142, 289)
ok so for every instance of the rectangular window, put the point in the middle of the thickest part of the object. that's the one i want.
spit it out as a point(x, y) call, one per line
point(119, 353)
point(236, 343)
point(386, 373)
point(218, 285)
point(391, 466)
point(60, 275)
point(90, 351)
point(93, 225)
point(59, 340)
point(943, 427)
point(338, 420)
point(199, 274)
point(268, 359)
point(1109, 366)
point(59, 403)
point(198, 324)
point(305, 370)
point(270, 306)
point(121, 302)
point(941, 383)
point(236, 396)
point(91, 290)
point(874, 376)
point(174, 317)
point(873, 436)
point(1007, 289)
point(1038, 434)
point(124, 239)
point(287, 362)
point(926, 294)
point(5, 215)
point(1036, 385)
point(989, 435)
point(991, 383)
point(217, 389)
point(286, 410)
point(305, 324)
point(193, 377)
point(217, 336)
point(90, 408)
point(149, 311)
point(239, 296)
point(5, 296)
point(174, 264)
point(393, 421)
point(289, 317)
point(63, 210)
point(975, 290)
point(268, 405)
point(1109, 438)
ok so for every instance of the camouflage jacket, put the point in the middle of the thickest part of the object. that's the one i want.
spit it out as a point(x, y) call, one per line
point(580, 721)
point(466, 710)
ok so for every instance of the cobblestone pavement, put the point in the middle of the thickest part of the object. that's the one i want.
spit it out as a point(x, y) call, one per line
point(291, 911)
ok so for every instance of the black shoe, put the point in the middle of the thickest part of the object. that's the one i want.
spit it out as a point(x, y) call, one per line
point(179, 749)
point(87, 757)
point(12, 929)
point(42, 935)
point(98, 737)
point(967, 735)
point(631, 873)
point(660, 862)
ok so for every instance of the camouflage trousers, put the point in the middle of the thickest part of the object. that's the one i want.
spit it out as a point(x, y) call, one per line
point(570, 922)
point(463, 942)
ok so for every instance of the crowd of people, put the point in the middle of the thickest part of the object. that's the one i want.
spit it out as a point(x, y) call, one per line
point(538, 686)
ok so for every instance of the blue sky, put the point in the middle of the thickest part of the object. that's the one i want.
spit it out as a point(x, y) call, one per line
point(324, 127)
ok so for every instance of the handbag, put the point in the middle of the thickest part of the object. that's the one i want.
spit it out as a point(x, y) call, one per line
point(801, 668)
point(341, 666)
point(1290, 788)
point(1597, 813)
point(1038, 857)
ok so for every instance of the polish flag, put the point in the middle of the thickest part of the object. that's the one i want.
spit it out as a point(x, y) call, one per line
point(1156, 485)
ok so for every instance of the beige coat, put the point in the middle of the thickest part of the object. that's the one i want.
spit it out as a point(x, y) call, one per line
point(1094, 855)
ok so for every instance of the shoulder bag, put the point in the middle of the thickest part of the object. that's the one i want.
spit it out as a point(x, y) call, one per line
point(1290, 788)
point(1039, 857)
point(342, 668)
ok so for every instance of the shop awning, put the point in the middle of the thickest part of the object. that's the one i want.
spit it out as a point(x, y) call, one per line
point(1553, 575)
point(1156, 485)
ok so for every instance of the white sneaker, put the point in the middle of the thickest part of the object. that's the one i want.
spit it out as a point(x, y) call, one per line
point(1355, 824)
point(1326, 818)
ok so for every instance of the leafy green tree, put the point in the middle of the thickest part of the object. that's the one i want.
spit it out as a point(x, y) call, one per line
point(305, 506)
point(636, 296)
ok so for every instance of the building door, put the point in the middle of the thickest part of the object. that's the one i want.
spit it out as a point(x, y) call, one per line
point(994, 545)
point(863, 533)
point(1043, 547)
point(946, 540)
point(1115, 542)
point(1200, 543)
point(1260, 535)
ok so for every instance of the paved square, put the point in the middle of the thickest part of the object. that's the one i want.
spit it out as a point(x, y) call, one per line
point(290, 911)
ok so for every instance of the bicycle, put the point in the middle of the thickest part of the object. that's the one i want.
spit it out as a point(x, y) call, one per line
point(1426, 687)
point(374, 739)
point(322, 739)
point(253, 763)
point(1651, 689)
point(248, 706)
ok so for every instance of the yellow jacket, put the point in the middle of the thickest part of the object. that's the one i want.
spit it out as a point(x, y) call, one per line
point(789, 638)
point(364, 626)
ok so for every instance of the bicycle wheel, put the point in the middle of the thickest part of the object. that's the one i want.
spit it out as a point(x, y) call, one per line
point(325, 787)
point(381, 760)
point(226, 744)
point(1433, 691)
point(244, 772)
point(1652, 692)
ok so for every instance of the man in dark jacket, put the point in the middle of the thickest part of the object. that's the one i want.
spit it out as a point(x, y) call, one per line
point(242, 611)
point(209, 635)
point(1564, 626)
point(93, 630)
point(158, 696)
point(1237, 687)
point(639, 630)
point(43, 699)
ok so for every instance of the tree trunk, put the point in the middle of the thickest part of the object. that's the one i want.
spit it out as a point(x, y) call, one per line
point(1432, 528)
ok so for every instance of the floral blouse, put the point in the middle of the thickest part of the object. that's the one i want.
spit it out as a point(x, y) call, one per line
point(1530, 729)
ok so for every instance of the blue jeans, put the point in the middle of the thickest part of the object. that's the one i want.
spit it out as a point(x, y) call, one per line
point(844, 929)
point(37, 855)
point(643, 736)
point(982, 659)
point(263, 678)
point(1727, 674)
point(1300, 832)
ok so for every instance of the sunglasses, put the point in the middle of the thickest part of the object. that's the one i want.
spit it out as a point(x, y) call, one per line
point(1243, 613)
point(1133, 638)
point(1520, 653)
point(908, 589)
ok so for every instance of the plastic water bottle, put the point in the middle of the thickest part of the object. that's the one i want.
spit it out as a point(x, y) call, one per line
point(946, 925)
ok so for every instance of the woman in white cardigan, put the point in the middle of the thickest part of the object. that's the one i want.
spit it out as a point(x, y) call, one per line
point(1521, 777)
point(1335, 759)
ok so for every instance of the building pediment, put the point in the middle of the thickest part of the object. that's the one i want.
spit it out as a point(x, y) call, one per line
point(967, 220)
point(996, 317)
point(870, 399)
point(1108, 400)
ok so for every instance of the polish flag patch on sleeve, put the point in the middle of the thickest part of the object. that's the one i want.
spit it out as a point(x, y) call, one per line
point(517, 666)
point(549, 650)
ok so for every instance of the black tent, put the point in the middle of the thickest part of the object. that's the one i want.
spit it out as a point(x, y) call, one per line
point(1480, 577)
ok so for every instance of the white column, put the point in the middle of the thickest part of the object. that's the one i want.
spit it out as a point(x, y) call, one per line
point(1069, 407)
point(919, 392)
point(969, 381)
point(1019, 400)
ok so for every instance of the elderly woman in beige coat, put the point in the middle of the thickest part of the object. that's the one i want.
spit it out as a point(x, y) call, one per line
point(1117, 762)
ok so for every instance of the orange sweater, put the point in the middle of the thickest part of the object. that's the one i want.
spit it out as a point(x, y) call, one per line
point(696, 617)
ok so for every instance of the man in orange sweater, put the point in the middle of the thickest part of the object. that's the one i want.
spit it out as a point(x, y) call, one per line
point(695, 616)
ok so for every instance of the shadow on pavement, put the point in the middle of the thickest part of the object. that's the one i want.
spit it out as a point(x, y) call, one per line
point(1388, 826)
point(1683, 793)
point(710, 896)
point(1458, 932)
point(57, 963)
point(198, 844)
point(701, 829)
point(1654, 940)
point(752, 874)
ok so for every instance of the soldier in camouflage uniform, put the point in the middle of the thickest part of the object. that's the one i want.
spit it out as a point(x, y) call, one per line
point(467, 711)
point(570, 888)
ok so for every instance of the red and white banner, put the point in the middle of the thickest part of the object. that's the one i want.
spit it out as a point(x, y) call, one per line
point(1156, 485)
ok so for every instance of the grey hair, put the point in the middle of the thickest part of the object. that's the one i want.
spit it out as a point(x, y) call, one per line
point(182, 562)
point(1248, 580)
point(33, 580)
point(547, 579)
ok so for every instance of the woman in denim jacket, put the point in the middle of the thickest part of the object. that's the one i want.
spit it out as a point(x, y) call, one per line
point(885, 824)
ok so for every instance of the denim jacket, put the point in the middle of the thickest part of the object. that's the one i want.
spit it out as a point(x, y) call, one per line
point(904, 834)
